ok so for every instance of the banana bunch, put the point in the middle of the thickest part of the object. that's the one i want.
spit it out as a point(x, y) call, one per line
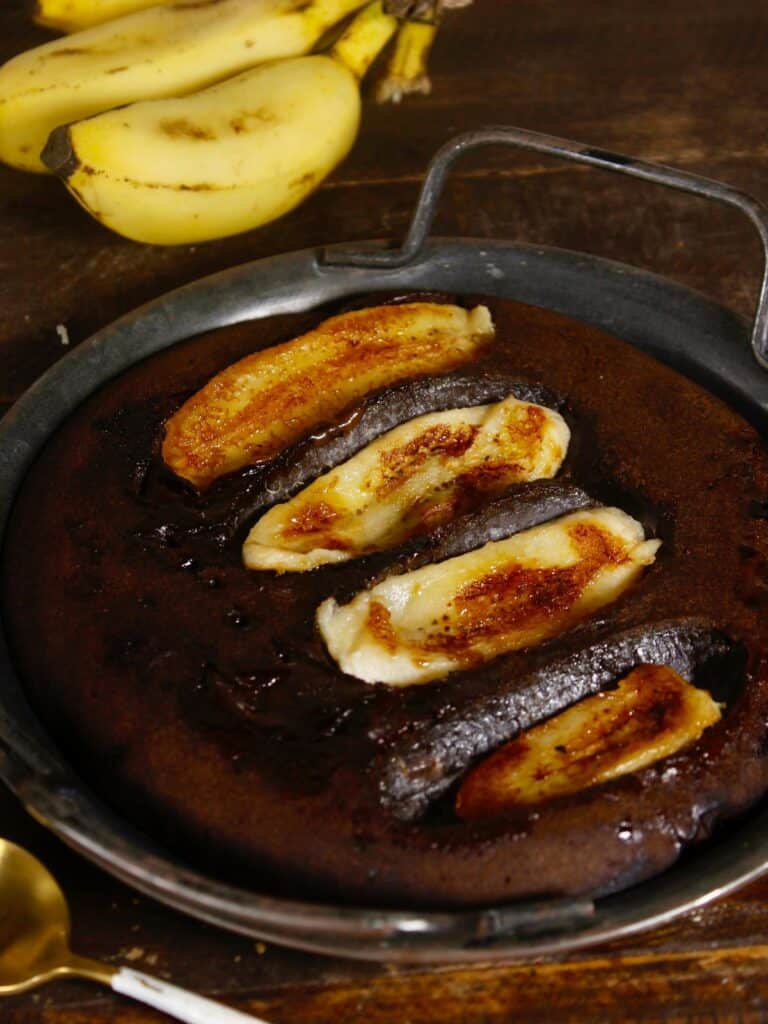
point(227, 158)
point(185, 120)
point(166, 50)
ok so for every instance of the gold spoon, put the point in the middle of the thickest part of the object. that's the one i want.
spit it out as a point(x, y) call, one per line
point(34, 946)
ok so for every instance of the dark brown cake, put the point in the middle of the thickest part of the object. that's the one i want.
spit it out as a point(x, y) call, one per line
point(197, 698)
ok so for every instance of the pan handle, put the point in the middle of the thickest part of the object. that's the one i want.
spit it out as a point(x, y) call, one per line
point(522, 139)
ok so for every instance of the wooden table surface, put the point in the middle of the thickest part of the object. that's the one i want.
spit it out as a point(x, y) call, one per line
point(683, 82)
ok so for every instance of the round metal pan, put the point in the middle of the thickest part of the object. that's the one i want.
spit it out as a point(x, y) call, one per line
point(678, 326)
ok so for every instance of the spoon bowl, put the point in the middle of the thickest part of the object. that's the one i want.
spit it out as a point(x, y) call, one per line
point(34, 946)
point(34, 925)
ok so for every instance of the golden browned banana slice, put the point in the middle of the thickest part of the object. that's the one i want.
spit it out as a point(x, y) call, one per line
point(408, 481)
point(259, 405)
point(506, 595)
point(651, 714)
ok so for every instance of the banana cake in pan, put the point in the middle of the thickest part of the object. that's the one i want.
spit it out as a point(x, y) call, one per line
point(443, 601)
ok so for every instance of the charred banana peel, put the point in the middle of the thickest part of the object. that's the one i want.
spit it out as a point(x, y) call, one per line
point(650, 715)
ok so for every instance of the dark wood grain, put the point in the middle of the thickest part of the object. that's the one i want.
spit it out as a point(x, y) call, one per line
point(683, 83)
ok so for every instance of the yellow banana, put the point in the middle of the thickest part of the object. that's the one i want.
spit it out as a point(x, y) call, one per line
point(167, 50)
point(228, 158)
point(73, 15)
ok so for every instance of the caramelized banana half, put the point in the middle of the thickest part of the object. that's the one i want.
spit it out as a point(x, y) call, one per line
point(506, 595)
point(652, 713)
point(408, 481)
point(253, 409)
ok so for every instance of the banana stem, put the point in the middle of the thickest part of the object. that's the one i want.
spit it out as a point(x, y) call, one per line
point(365, 38)
point(414, 10)
point(407, 70)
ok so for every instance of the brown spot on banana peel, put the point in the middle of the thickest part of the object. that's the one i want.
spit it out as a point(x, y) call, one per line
point(304, 181)
point(299, 6)
point(192, 5)
point(181, 127)
point(70, 51)
point(239, 123)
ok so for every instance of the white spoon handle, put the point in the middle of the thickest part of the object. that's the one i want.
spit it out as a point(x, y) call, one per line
point(176, 1001)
